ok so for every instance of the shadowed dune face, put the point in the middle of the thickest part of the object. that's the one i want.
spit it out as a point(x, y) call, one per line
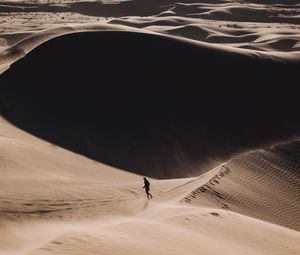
point(150, 104)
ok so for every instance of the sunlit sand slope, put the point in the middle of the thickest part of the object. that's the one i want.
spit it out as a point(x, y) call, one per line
point(263, 184)
point(55, 202)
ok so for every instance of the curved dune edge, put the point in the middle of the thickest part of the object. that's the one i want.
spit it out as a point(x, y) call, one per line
point(21, 48)
point(166, 69)
point(53, 201)
point(70, 204)
point(261, 26)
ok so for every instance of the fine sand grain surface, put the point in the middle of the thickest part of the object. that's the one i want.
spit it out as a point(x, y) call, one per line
point(267, 26)
point(55, 202)
point(139, 111)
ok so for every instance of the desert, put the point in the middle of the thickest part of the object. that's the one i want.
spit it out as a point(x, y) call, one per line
point(199, 97)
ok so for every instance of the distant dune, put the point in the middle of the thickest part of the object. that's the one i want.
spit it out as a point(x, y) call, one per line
point(260, 25)
point(148, 103)
point(200, 97)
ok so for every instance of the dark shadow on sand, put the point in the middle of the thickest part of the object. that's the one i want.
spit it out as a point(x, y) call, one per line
point(149, 104)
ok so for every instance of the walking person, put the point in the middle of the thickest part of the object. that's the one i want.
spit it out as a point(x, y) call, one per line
point(147, 188)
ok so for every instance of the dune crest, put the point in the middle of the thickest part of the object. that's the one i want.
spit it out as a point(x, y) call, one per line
point(162, 89)
point(263, 184)
point(70, 204)
point(181, 103)
point(237, 24)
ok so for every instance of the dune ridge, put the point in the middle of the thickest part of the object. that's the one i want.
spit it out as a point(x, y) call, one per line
point(202, 90)
point(22, 47)
point(262, 184)
point(173, 144)
point(221, 19)
point(93, 208)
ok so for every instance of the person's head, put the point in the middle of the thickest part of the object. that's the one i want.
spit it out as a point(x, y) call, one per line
point(145, 178)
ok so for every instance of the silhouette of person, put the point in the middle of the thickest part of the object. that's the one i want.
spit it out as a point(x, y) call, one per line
point(147, 188)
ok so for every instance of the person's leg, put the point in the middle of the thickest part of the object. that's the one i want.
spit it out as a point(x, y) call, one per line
point(147, 192)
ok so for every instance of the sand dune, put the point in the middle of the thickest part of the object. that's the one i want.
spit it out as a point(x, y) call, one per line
point(179, 89)
point(29, 182)
point(262, 184)
point(108, 126)
point(72, 205)
point(222, 18)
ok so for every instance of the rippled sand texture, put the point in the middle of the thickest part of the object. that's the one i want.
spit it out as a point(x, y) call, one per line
point(260, 26)
point(56, 202)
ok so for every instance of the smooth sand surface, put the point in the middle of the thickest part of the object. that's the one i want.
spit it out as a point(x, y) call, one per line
point(55, 202)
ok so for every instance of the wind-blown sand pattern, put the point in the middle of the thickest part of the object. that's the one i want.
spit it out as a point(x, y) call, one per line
point(262, 184)
point(267, 27)
point(55, 202)
point(139, 112)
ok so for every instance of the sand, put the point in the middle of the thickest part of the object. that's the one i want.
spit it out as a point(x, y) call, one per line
point(241, 185)
point(56, 202)
point(165, 114)
point(271, 27)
